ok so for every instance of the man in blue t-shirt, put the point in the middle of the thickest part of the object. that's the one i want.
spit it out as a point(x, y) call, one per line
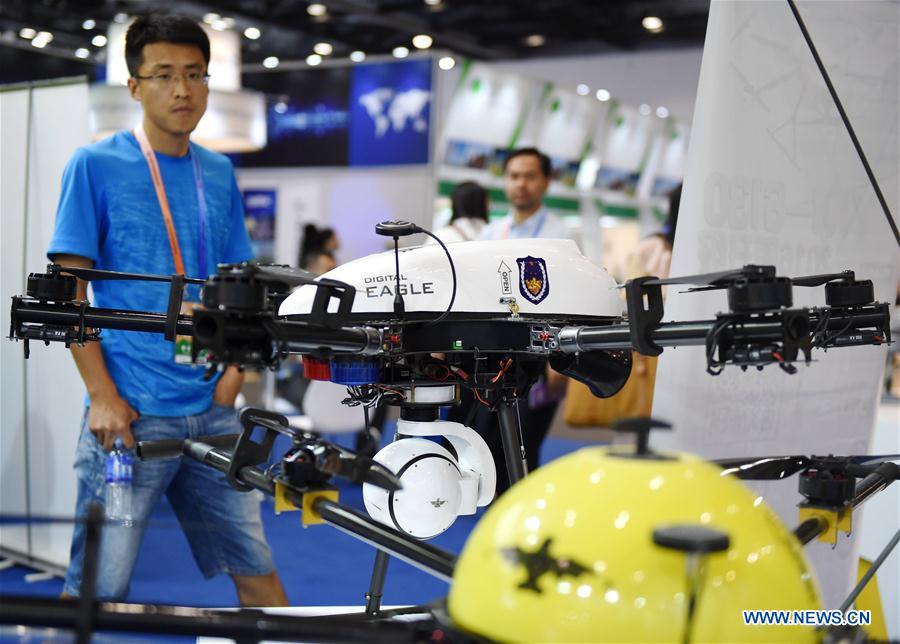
point(150, 201)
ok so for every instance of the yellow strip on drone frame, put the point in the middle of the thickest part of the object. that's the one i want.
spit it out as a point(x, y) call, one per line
point(870, 599)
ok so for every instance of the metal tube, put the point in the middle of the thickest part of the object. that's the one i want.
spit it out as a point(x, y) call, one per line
point(675, 334)
point(436, 562)
point(70, 315)
point(302, 338)
point(885, 474)
point(242, 625)
point(298, 337)
point(428, 558)
point(219, 460)
point(376, 583)
point(511, 439)
point(871, 572)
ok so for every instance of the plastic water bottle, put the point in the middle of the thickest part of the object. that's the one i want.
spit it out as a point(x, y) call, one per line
point(118, 486)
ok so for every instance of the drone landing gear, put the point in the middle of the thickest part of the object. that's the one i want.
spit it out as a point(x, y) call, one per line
point(376, 585)
point(511, 438)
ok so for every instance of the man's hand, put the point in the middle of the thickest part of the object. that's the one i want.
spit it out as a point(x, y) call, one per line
point(110, 417)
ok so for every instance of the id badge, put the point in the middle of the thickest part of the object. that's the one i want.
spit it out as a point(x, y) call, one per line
point(184, 344)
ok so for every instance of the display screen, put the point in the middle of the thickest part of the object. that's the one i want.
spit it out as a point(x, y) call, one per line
point(390, 113)
point(307, 118)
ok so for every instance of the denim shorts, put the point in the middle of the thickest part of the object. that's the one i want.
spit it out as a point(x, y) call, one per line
point(222, 525)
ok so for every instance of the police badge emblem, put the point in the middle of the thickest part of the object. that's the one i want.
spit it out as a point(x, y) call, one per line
point(533, 282)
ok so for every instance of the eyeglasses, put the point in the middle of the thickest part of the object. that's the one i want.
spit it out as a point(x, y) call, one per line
point(165, 79)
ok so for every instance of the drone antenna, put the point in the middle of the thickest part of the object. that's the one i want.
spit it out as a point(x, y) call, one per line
point(397, 229)
point(399, 306)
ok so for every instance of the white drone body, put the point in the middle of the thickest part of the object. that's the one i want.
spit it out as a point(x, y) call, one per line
point(546, 278)
point(520, 278)
point(437, 487)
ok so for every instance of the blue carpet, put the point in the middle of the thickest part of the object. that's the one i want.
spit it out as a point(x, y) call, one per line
point(318, 565)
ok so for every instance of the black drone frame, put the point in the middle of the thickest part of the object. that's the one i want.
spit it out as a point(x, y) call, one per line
point(238, 325)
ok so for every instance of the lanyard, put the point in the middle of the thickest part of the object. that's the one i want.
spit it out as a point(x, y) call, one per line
point(156, 176)
point(537, 230)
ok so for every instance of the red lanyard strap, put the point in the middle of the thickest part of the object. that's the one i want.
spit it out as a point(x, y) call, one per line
point(156, 176)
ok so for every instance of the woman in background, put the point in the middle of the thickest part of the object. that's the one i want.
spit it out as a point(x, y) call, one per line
point(469, 203)
point(316, 243)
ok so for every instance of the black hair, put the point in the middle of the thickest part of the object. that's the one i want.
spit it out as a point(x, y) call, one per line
point(161, 27)
point(668, 229)
point(543, 159)
point(313, 242)
point(468, 199)
point(306, 259)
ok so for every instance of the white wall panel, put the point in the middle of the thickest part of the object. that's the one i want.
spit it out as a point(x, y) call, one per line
point(55, 392)
point(772, 178)
point(14, 106)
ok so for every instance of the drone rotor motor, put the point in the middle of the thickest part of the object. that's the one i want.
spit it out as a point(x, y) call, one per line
point(52, 287)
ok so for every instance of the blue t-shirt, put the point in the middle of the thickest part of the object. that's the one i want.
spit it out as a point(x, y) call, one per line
point(108, 212)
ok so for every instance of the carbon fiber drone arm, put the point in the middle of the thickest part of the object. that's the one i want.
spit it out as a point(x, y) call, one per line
point(745, 339)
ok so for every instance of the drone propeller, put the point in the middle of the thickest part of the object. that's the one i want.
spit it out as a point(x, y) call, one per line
point(819, 280)
point(766, 468)
point(718, 279)
point(96, 275)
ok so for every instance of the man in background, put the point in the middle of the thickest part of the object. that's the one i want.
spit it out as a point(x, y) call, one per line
point(526, 173)
point(527, 178)
point(150, 201)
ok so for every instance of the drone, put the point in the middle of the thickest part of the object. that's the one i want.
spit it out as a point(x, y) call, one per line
point(412, 328)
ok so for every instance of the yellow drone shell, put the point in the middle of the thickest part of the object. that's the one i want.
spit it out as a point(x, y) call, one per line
point(590, 518)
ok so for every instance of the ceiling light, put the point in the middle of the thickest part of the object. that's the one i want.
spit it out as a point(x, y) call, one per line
point(121, 18)
point(229, 22)
point(82, 52)
point(652, 24)
point(422, 41)
point(662, 112)
point(447, 62)
point(99, 40)
point(316, 9)
point(400, 52)
point(583, 90)
point(323, 48)
point(602, 95)
point(535, 40)
point(357, 56)
point(313, 59)
point(27, 33)
point(432, 3)
point(219, 25)
point(211, 18)
point(252, 33)
point(42, 39)
point(271, 62)
point(281, 107)
point(644, 109)
point(88, 24)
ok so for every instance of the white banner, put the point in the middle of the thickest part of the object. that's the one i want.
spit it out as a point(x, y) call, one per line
point(772, 178)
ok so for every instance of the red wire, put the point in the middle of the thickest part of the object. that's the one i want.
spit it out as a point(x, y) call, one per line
point(503, 368)
point(480, 399)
